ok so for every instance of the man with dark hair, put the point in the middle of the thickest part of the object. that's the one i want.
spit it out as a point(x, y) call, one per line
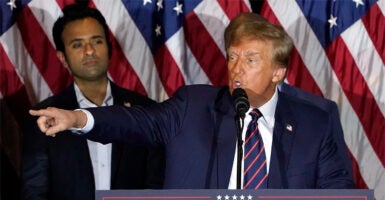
point(68, 167)
point(288, 143)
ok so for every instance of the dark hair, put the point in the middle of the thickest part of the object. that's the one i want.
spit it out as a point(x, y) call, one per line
point(75, 12)
point(255, 27)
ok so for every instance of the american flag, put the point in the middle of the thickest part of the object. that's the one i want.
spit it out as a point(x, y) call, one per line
point(340, 54)
point(161, 45)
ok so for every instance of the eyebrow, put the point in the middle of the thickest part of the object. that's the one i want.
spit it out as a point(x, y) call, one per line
point(248, 53)
point(251, 53)
point(80, 39)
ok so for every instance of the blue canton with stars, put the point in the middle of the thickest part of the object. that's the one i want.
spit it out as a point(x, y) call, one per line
point(8, 13)
point(329, 19)
point(158, 20)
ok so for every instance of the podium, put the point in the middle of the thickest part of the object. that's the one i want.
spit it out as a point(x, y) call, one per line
point(223, 194)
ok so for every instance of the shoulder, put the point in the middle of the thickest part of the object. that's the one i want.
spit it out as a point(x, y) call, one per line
point(202, 94)
point(122, 95)
point(65, 99)
point(300, 107)
point(308, 98)
point(200, 90)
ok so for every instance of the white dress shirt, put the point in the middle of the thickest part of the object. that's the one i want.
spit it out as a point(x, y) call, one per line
point(100, 154)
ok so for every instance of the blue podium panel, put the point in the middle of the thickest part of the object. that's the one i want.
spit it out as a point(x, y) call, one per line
point(222, 194)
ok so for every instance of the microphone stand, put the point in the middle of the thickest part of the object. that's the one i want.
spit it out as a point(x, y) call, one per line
point(240, 123)
point(241, 104)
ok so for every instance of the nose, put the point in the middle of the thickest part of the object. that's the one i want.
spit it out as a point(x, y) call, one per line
point(89, 49)
point(237, 66)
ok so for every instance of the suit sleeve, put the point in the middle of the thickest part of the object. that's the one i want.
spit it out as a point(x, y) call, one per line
point(151, 126)
point(332, 170)
point(339, 138)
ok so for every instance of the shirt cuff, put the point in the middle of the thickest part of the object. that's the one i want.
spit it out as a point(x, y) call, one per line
point(89, 124)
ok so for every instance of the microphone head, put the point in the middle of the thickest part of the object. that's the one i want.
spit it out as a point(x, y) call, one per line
point(241, 101)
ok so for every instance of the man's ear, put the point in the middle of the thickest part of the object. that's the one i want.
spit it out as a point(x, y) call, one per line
point(62, 59)
point(279, 74)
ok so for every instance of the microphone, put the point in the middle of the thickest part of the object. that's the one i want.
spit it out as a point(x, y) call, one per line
point(241, 102)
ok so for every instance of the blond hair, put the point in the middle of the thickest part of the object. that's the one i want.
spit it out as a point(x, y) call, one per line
point(255, 27)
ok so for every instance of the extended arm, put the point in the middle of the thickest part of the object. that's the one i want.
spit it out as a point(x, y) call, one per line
point(53, 120)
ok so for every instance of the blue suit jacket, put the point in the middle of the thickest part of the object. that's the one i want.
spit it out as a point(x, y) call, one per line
point(60, 167)
point(330, 107)
point(197, 127)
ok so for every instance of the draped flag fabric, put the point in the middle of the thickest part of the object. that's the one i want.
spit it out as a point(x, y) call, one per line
point(340, 54)
point(158, 46)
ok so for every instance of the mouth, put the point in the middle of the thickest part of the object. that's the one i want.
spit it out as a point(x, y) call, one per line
point(236, 84)
point(90, 62)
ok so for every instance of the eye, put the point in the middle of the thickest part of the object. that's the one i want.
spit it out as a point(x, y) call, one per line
point(251, 60)
point(77, 45)
point(232, 58)
point(98, 41)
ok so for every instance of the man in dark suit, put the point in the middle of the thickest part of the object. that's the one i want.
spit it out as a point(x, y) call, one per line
point(200, 134)
point(66, 167)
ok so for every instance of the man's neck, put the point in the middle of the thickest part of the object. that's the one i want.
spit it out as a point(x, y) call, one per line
point(94, 91)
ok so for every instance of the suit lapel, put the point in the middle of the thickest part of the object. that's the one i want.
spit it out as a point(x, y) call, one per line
point(118, 94)
point(225, 131)
point(283, 137)
point(67, 98)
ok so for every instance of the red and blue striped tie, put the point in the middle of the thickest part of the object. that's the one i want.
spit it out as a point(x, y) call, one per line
point(255, 172)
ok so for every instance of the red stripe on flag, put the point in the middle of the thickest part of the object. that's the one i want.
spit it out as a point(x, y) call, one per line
point(63, 3)
point(374, 23)
point(9, 80)
point(197, 37)
point(268, 13)
point(232, 8)
point(359, 95)
point(168, 70)
point(42, 52)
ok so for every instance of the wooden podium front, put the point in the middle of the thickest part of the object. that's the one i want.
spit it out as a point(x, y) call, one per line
point(270, 194)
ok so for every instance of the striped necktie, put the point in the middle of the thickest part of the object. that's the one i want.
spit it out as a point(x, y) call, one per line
point(255, 172)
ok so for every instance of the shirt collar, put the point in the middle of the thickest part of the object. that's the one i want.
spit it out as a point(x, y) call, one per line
point(268, 109)
point(84, 102)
